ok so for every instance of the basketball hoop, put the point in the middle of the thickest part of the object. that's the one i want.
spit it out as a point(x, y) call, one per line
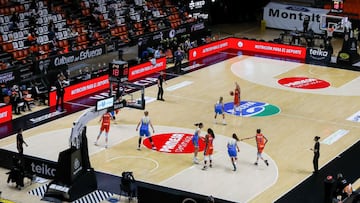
point(338, 23)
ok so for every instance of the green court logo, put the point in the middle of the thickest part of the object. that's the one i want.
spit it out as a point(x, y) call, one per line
point(251, 109)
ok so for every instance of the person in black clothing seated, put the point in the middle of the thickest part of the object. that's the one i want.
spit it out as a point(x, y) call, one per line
point(128, 184)
point(16, 101)
point(17, 173)
point(24, 97)
point(329, 47)
point(343, 187)
point(309, 37)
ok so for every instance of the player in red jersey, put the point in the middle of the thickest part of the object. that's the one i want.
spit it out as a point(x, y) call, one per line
point(105, 126)
point(209, 148)
point(261, 141)
point(237, 100)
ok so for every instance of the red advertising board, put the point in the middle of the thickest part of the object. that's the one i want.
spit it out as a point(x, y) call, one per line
point(101, 83)
point(82, 89)
point(5, 113)
point(209, 49)
point(296, 52)
point(146, 68)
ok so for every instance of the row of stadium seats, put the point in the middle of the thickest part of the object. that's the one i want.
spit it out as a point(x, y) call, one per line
point(122, 29)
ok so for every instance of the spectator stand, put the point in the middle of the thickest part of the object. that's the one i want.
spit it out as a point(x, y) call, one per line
point(31, 20)
point(61, 27)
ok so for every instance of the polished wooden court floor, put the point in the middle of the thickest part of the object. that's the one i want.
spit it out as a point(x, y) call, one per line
point(304, 113)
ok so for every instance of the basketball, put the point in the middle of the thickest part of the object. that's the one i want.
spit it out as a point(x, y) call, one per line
point(231, 93)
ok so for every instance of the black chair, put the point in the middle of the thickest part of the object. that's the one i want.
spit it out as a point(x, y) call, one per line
point(41, 95)
point(127, 185)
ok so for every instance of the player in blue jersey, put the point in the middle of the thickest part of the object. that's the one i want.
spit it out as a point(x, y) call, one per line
point(144, 124)
point(233, 149)
point(219, 110)
point(195, 141)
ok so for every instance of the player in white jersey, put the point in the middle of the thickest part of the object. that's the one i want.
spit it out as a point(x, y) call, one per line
point(233, 149)
point(219, 109)
point(144, 124)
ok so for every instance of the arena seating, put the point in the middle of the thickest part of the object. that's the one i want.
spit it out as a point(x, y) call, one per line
point(56, 13)
point(63, 26)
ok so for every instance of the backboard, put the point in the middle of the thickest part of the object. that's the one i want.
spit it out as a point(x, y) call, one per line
point(128, 95)
point(329, 21)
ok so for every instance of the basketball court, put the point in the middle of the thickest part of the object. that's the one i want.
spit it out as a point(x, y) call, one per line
point(291, 102)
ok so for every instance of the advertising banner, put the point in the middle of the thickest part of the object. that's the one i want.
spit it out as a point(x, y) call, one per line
point(318, 56)
point(146, 68)
point(209, 49)
point(5, 113)
point(259, 47)
point(82, 89)
point(77, 56)
point(34, 165)
point(7, 76)
point(40, 167)
point(155, 193)
point(291, 17)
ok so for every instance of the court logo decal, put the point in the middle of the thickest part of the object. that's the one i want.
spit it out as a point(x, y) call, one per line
point(355, 117)
point(179, 85)
point(304, 83)
point(174, 143)
point(335, 136)
point(251, 109)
